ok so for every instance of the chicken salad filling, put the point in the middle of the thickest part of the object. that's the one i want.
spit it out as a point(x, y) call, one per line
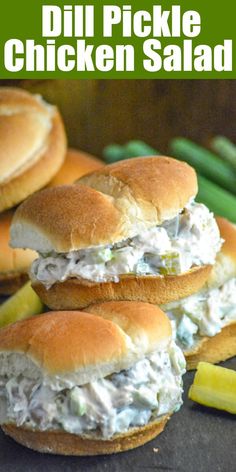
point(190, 239)
point(111, 405)
point(202, 314)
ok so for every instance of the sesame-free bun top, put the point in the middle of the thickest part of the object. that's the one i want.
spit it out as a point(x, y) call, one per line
point(150, 191)
point(160, 186)
point(66, 218)
point(12, 260)
point(84, 346)
point(77, 163)
point(32, 145)
point(225, 266)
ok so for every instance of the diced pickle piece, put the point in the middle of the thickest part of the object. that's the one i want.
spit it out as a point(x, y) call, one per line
point(171, 264)
point(214, 386)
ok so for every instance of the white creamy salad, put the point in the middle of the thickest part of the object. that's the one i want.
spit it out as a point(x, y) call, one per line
point(202, 314)
point(190, 239)
point(102, 408)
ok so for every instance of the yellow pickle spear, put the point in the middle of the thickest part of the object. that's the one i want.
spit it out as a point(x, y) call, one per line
point(23, 304)
point(214, 386)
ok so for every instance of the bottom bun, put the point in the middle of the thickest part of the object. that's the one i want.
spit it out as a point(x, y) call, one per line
point(58, 442)
point(74, 294)
point(11, 282)
point(219, 348)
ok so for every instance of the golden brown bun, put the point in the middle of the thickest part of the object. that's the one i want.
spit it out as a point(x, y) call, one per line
point(76, 294)
point(66, 218)
point(74, 217)
point(57, 442)
point(32, 145)
point(76, 164)
point(216, 349)
point(88, 345)
point(160, 186)
point(228, 233)
point(14, 263)
point(225, 266)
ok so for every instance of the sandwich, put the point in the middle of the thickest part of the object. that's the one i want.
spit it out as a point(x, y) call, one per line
point(33, 145)
point(76, 164)
point(129, 231)
point(14, 263)
point(205, 323)
point(88, 383)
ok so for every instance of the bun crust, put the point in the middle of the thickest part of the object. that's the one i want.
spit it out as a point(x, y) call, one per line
point(77, 216)
point(76, 164)
point(66, 218)
point(56, 442)
point(160, 186)
point(225, 266)
point(33, 145)
point(14, 263)
point(216, 349)
point(104, 342)
point(228, 233)
point(77, 294)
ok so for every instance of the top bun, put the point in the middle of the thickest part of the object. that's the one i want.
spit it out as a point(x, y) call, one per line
point(32, 145)
point(139, 193)
point(80, 347)
point(66, 218)
point(77, 164)
point(160, 186)
point(225, 266)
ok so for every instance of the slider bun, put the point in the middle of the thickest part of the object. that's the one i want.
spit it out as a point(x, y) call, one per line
point(14, 263)
point(76, 164)
point(110, 338)
point(85, 345)
point(75, 294)
point(66, 218)
point(159, 186)
point(74, 217)
point(58, 442)
point(225, 266)
point(32, 145)
point(214, 349)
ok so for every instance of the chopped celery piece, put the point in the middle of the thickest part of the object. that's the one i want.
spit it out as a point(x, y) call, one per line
point(105, 255)
point(77, 402)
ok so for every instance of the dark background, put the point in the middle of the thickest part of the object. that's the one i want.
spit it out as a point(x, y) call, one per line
point(98, 112)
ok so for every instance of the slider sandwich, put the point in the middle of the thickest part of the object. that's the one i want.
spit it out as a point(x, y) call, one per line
point(14, 263)
point(205, 323)
point(32, 145)
point(100, 382)
point(130, 231)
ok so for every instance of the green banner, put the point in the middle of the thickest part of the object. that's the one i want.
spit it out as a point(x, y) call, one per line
point(191, 39)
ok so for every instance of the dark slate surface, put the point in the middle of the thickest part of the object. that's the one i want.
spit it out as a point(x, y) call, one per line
point(196, 439)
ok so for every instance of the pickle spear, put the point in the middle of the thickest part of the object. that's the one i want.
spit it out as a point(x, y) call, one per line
point(214, 386)
point(23, 304)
